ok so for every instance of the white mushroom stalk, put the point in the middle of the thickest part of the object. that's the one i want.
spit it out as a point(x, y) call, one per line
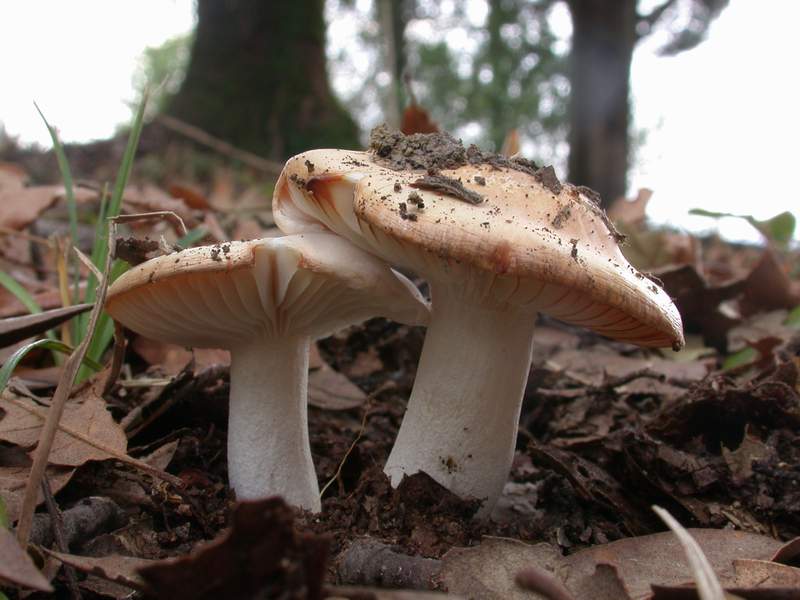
point(264, 300)
point(268, 445)
point(463, 413)
point(499, 241)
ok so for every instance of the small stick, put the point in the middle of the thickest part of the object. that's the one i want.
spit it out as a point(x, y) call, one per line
point(57, 525)
point(157, 215)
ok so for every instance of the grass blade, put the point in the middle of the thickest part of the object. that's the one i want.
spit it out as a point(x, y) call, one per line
point(19, 292)
point(66, 175)
point(8, 367)
point(115, 204)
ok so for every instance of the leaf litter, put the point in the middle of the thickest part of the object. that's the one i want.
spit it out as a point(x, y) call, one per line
point(606, 431)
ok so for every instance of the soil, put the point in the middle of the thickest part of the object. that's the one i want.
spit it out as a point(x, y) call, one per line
point(437, 151)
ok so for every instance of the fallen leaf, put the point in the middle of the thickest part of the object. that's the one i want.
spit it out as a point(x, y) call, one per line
point(16, 567)
point(12, 176)
point(260, 555)
point(150, 198)
point(658, 558)
point(15, 467)
point(487, 571)
point(19, 207)
point(708, 585)
point(85, 415)
point(16, 329)
point(352, 592)
point(699, 302)
point(367, 593)
point(247, 229)
point(115, 568)
point(172, 359)
point(190, 194)
point(764, 574)
point(47, 298)
point(767, 287)
point(331, 390)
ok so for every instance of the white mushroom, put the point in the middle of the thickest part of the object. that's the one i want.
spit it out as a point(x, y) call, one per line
point(499, 242)
point(264, 300)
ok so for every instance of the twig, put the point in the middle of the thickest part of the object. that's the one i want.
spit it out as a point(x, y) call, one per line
point(157, 215)
point(117, 357)
point(57, 525)
point(123, 458)
point(220, 146)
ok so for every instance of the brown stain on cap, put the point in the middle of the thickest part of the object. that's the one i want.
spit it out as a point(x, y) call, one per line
point(500, 258)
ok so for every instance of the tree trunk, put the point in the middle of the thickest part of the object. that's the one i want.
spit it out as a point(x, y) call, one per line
point(257, 78)
point(603, 38)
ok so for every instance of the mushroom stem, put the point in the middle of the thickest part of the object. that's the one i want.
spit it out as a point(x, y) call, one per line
point(460, 426)
point(268, 447)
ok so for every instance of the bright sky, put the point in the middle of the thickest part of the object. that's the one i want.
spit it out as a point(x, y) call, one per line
point(722, 120)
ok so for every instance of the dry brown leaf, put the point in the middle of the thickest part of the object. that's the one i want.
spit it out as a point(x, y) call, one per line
point(16, 567)
point(19, 207)
point(763, 573)
point(172, 359)
point(331, 390)
point(12, 176)
point(16, 329)
point(115, 568)
point(768, 286)
point(353, 592)
point(47, 298)
point(487, 571)
point(247, 229)
point(262, 554)
point(190, 194)
point(87, 415)
point(150, 198)
point(659, 559)
point(15, 466)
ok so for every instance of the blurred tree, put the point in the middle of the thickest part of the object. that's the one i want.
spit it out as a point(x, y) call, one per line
point(257, 78)
point(603, 39)
point(515, 79)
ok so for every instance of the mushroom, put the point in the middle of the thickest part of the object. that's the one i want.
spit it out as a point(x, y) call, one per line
point(264, 300)
point(498, 241)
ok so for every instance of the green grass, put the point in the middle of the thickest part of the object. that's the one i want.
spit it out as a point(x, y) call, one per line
point(110, 206)
point(56, 346)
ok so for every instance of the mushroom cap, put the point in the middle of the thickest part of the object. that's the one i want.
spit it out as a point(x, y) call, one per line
point(530, 242)
point(226, 295)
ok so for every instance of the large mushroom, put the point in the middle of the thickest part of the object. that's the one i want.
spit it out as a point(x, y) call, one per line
point(499, 241)
point(264, 300)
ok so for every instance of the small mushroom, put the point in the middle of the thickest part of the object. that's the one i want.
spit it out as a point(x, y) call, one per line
point(529, 244)
point(264, 300)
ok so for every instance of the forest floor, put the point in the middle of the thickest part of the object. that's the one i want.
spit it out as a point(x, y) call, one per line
point(607, 430)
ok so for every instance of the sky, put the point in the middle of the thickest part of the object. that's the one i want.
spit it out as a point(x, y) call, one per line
point(721, 121)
